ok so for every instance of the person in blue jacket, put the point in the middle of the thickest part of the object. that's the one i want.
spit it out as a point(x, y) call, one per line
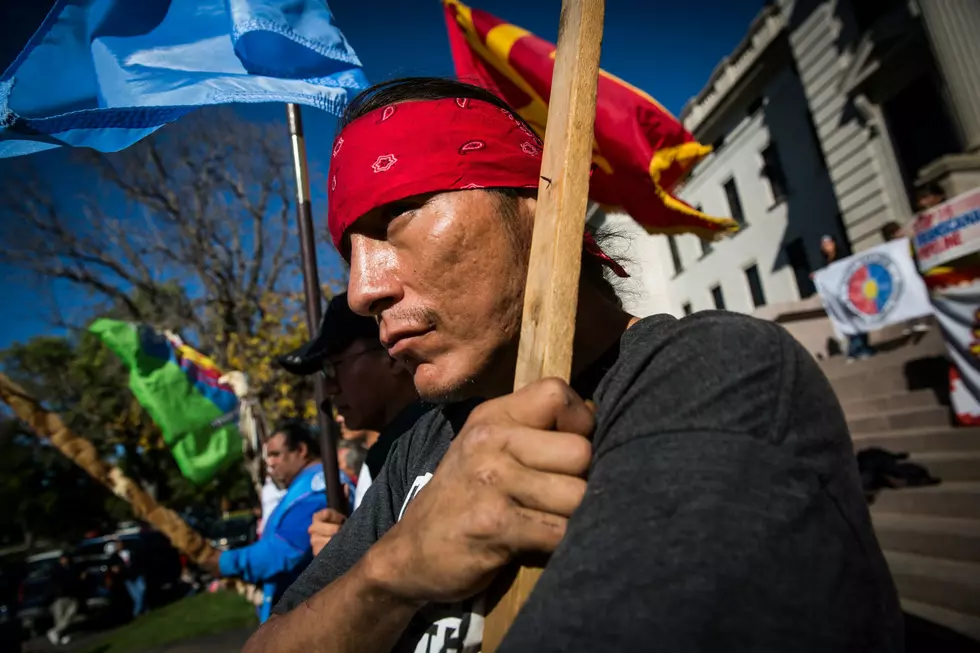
point(283, 550)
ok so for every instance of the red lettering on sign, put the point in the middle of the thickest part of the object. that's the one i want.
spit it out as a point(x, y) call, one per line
point(953, 240)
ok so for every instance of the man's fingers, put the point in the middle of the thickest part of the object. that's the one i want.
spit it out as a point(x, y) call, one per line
point(555, 494)
point(323, 528)
point(548, 404)
point(550, 451)
point(533, 530)
point(329, 516)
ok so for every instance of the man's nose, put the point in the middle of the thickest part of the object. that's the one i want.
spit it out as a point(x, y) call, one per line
point(373, 285)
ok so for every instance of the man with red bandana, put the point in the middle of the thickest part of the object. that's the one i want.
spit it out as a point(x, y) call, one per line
point(711, 502)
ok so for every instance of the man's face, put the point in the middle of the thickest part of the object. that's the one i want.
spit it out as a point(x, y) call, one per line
point(828, 246)
point(362, 383)
point(282, 463)
point(928, 200)
point(445, 273)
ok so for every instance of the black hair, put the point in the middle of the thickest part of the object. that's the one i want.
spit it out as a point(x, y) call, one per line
point(931, 188)
point(408, 89)
point(298, 432)
point(890, 229)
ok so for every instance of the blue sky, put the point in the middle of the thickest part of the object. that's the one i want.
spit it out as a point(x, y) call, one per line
point(665, 47)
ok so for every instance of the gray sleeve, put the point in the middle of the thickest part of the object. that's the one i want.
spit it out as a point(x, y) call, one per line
point(365, 526)
point(722, 513)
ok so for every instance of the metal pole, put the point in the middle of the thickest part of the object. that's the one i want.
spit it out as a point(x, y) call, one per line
point(311, 288)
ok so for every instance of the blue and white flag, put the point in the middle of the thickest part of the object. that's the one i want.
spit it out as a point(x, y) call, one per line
point(876, 288)
point(105, 73)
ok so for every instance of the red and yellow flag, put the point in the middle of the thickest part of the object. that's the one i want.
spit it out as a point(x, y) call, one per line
point(640, 150)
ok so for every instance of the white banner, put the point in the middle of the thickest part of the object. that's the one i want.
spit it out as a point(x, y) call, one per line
point(948, 231)
point(958, 314)
point(874, 289)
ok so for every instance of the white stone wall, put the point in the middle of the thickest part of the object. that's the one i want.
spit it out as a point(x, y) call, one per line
point(808, 212)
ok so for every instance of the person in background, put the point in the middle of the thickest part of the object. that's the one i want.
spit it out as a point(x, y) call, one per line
point(270, 497)
point(369, 389)
point(929, 196)
point(351, 456)
point(894, 231)
point(133, 575)
point(283, 550)
point(857, 345)
point(66, 586)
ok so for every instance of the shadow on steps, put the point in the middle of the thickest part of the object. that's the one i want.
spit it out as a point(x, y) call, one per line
point(922, 636)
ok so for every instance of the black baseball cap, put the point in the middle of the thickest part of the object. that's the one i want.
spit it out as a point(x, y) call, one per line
point(339, 327)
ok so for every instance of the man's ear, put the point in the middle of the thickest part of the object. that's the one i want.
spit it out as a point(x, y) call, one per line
point(303, 450)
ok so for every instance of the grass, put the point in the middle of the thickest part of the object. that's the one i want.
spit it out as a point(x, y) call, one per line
point(202, 614)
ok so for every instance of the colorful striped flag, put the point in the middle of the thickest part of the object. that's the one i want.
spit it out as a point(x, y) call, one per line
point(178, 387)
point(640, 151)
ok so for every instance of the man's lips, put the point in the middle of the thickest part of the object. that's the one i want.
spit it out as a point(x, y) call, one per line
point(396, 341)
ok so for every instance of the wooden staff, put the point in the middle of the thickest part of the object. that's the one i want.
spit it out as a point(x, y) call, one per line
point(48, 425)
point(329, 431)
point(551, 293)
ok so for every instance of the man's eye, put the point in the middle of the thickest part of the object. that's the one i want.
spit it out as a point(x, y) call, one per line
point(398, 209)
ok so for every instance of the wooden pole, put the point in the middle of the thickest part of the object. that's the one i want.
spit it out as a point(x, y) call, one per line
point(48, 425)
point(551, 293)
point(311, 287)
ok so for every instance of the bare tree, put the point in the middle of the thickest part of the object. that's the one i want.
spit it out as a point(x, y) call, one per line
point(188, 229)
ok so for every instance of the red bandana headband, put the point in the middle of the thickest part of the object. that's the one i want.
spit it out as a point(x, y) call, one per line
point(431, 146)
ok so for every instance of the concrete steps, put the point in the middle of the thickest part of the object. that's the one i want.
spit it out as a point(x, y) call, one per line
point(948, 499)
point(902, 418)
point(964, 624)
point(948, 538)
point(948, 438)
point(951, 466)
point(898, 400)
point(862, 405)
point(950, 584)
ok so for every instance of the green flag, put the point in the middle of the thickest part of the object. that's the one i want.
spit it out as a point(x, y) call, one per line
point(179, 388)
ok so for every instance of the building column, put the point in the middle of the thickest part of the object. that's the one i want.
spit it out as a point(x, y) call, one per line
point(953, 28)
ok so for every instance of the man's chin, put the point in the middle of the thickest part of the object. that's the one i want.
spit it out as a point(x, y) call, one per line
point(437, 388)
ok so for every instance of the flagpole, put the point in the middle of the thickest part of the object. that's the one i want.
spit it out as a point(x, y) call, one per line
point(551, 291)
point(311, 289)
point(48, 426)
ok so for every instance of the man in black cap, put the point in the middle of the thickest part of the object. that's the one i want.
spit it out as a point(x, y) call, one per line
point(370, 390)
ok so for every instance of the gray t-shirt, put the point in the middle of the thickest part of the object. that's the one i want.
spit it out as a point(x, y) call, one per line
point(723, 510)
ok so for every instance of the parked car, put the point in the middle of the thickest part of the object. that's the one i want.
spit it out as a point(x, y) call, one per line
point(11, 634)
point(35, 593)
point(106, 594)
point(233, 532)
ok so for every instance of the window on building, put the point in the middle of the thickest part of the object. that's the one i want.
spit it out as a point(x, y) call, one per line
point(755, 286)
point(734, 203)
point(796, 255)
point(675, 255)
point(772, 168)
point(718, 143)
point(705, 244)
point(687, 308)
point(718, 297)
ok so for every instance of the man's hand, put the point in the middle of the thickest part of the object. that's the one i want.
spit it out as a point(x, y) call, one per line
point(325, 525)
point(210, 564)
point(507, 484)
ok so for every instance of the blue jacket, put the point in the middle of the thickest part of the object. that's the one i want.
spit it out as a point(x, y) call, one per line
point(283, 550)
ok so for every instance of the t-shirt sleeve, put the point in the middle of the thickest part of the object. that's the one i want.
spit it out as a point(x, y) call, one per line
point(365, 526)
point(723, 511)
